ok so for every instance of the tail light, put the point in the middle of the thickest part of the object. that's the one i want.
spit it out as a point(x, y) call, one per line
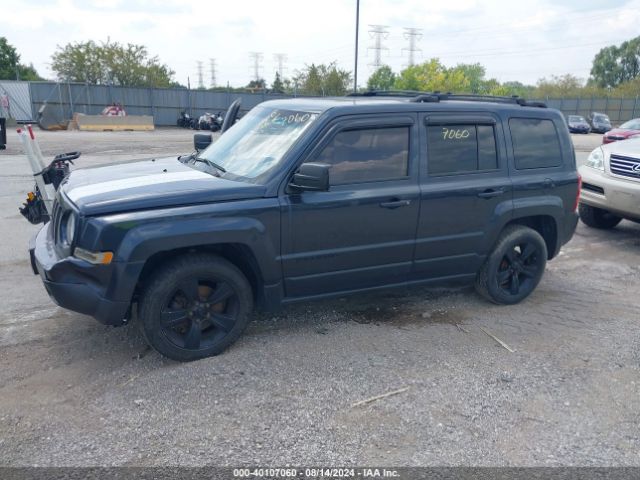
point(575, 207)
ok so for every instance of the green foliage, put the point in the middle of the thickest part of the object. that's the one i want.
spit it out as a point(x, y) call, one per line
point(474, 73)
point(323, 80)
point(277, 86)
point(259, 84)
point(110, 63)
point(10, 66)
point(382, 79)
point(432, 76)
point(615, 65)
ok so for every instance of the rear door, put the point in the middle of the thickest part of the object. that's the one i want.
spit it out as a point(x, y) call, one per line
point(465, 195)
point(361, 232)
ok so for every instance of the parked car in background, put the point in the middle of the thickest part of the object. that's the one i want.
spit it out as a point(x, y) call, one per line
point(578, 124)
point(600, 122)
point(626, 130)
point(611, 185)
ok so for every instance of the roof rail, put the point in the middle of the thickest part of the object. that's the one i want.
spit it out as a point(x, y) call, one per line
point(426, 97)
point(437, 97)
point(386, 93)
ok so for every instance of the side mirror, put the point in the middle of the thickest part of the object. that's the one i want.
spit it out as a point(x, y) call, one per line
point(311, 177)
point(202, 140)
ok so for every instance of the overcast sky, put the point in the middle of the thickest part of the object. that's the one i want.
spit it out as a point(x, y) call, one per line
point(514, 40)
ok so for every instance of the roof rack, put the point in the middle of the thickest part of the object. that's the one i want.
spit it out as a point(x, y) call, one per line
point(386, 93)
point(435, 97)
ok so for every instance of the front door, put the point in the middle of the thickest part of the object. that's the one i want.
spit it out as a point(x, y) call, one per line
point(361, 232)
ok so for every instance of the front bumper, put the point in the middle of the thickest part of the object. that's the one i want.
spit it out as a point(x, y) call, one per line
point(619, 196)
point(75, 284)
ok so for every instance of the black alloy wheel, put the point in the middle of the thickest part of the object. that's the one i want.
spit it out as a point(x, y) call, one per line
point(514, 267)
point(195, 306)
point(200, 312)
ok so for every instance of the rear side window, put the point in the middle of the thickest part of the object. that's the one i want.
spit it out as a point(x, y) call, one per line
point(461, 149)
point(367, 155)
point(535, 143)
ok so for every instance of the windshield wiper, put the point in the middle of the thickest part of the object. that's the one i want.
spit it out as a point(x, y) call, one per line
point(210, 163)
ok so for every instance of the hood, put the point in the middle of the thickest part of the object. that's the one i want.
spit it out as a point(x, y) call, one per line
point(630, 147)
point(622, 132)
point(149, 184)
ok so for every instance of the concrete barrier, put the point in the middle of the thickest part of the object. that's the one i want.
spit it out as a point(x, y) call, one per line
point(112, 123)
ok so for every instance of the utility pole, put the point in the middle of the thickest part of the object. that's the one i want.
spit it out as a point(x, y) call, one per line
point(212, 68)
point(280, 59)
point(378, 33)
point(355, 66)
point(256, 59)
point(200, 74)
point(413, 35)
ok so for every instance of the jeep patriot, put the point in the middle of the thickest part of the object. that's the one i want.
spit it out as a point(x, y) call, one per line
point(310, 198)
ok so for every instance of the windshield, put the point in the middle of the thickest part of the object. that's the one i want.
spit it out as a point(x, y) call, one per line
point(258, 142)
point(601, 118)
point(632, 124)
point(576, 118)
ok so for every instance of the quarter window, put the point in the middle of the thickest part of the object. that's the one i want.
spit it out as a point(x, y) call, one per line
point(461, 149)
point(535, 143)
point(367, 155)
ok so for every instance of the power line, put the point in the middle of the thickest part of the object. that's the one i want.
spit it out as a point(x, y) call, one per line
point(212, 68)
point(413, 35)
point(280, 59)
point(378, 33)
point(200, 74)
point(256, 59)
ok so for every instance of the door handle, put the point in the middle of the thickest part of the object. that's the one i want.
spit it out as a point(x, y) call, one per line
point(396, 204)
point(491, 193)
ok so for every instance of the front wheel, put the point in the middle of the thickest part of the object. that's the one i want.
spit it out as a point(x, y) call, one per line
point(597, 218)
point(515, 266)
point(195, 306)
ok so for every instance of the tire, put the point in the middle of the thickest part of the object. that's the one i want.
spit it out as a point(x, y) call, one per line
point(195, 307)
point(514, 267)
point(597, 218)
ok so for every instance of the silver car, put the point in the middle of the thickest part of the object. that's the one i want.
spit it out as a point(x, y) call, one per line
point(611, 184)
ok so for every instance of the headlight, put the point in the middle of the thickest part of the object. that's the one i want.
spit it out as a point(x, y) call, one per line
point(70, 228)
point(596, 159)
point(97, 258)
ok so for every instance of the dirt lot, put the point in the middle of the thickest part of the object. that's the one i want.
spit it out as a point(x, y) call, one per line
point(73, 392)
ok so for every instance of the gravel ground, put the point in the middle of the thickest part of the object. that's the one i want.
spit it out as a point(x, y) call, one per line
point(76, 393)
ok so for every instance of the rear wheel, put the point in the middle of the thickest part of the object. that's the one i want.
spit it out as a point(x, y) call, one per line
point(597, 217)
point(195, 307)
point(515, 266)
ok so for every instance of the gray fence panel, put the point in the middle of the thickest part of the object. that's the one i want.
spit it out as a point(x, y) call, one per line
point(18, 99)
point(165, 104)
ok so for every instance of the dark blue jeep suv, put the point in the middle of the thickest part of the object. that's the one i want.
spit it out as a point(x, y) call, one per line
point(310, 198)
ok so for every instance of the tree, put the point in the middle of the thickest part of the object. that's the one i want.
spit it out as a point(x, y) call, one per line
point(10, 66)
point(382, 79)
point(323, 80)
point(432, 76)
point(474, 73)
point(259, 84)
point(559, 86)
point(110, 63)
point(615, 65)
point(277, 85)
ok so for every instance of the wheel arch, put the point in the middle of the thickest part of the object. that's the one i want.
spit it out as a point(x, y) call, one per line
point(240, 255)
point(546, 226)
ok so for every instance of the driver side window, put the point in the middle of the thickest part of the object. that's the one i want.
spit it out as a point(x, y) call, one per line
point(367, 155)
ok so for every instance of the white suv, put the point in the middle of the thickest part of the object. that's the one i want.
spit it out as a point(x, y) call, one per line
point(611, 184)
